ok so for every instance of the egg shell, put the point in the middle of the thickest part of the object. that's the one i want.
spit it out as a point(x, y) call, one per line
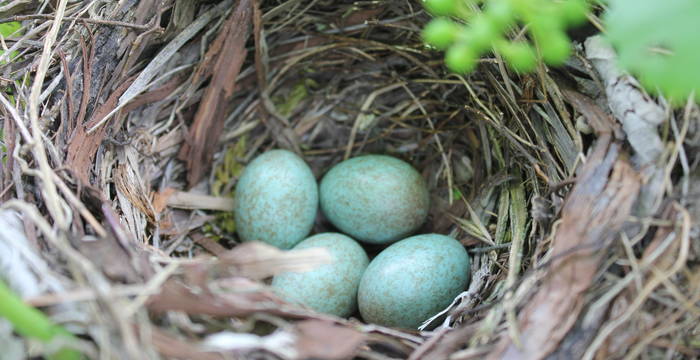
point(412, 280)
point(375, 198)
point(276, 200)
point(329, 288)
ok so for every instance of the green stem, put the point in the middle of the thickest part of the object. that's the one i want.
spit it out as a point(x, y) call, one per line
point(30, 322)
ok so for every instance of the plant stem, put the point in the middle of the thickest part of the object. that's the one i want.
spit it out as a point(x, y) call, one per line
point(30, 322)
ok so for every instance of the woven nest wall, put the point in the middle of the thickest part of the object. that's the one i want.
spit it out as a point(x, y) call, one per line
point(127, 125)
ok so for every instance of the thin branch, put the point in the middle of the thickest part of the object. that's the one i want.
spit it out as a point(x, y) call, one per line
point(87, 20)
point(49, 192)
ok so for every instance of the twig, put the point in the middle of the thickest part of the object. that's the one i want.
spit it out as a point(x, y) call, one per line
point(17, 118)
point(73, 199)
point(49, 192)
point(486, 249)
point(87, 20)
point(369, 100)
point(658, 277)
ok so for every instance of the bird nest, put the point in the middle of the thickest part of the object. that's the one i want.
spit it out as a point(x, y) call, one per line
point(126, 125)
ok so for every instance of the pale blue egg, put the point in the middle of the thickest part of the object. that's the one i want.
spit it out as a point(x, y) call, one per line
point(276, 200)
point(375, 198)
point(412, 280)
point(329, 288)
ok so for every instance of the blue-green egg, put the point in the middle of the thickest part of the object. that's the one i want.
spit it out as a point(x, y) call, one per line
point(276, 200)
point(329, 288)
point(375, 198)
point(412, 280)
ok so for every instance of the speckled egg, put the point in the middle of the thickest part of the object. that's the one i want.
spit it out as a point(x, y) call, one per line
point(276, 200)
point(329, 288)
point(374, 198)
point(412, 280)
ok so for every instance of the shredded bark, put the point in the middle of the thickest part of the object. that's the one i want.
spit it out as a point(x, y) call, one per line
point(227, 53)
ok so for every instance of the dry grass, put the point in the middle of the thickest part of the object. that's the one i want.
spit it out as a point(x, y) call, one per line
point(127, 124)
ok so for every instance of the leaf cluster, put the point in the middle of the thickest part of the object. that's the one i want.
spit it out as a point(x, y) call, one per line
point(466, 29)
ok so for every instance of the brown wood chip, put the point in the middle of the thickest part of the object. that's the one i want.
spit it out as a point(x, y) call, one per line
point(229, 51)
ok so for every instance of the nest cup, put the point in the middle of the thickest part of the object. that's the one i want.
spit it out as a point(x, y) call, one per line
point(378, 90)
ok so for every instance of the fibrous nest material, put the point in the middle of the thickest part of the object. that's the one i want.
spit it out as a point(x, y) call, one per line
point(126, 125)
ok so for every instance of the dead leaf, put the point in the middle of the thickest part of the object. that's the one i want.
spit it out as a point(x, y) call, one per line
point(176, 296)
point(209, 244)
point(171, 347)
point(160, 199)
point(112, 259)
point(326, 340)
point(178, 223)
point(258, 260)
point(360, 17)
point(253, 260)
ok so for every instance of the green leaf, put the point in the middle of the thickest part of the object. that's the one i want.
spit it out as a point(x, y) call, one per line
point(482, 33)
point(658, 41)
point(556, 48)
point(441, 7)
point(288, 103)
point(520, 55)
point(30, 322)
point(231, 167)
point(7, 30)
point(489, 23)
point(456, 194)
point(500, 12)
point(575, 11)
point(461, 58)
point(441, 33)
